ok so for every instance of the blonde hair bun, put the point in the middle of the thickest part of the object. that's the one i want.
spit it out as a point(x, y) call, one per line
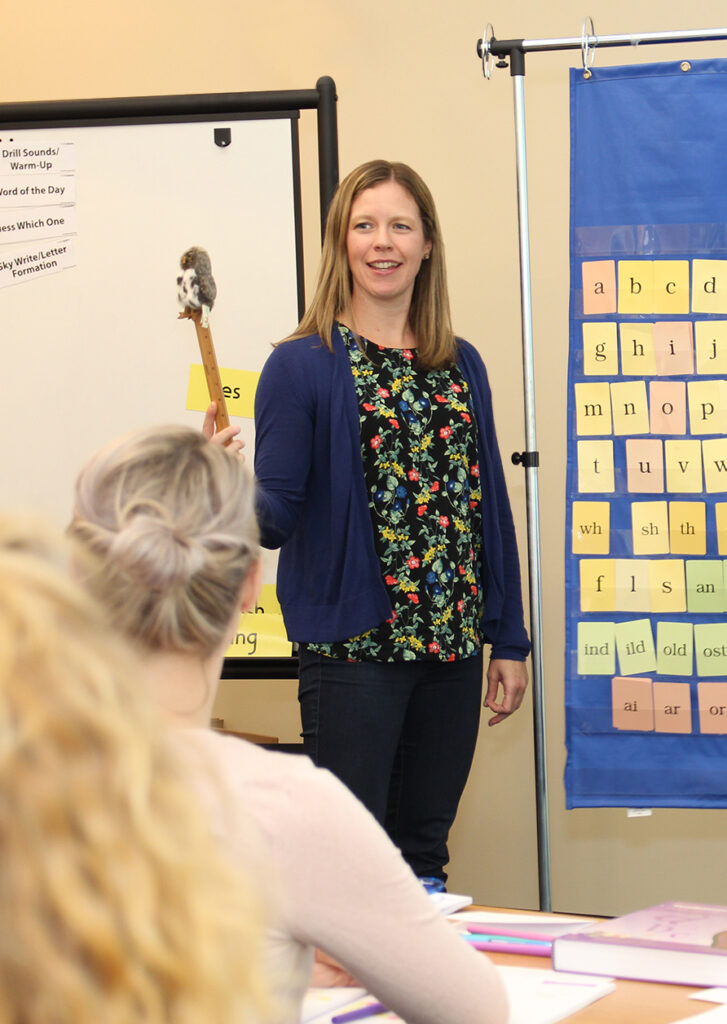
point(169, 519)
point(153, 549)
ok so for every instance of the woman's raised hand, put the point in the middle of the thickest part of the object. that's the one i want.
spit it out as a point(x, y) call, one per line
point(227, 438)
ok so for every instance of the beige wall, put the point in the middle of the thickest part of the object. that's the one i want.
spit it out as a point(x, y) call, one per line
point(410, 88)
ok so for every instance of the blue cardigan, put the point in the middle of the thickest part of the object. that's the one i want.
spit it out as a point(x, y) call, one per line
point(313, 505)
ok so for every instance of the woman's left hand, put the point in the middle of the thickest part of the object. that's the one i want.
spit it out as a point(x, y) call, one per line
point(227, 438)
point(513, 677)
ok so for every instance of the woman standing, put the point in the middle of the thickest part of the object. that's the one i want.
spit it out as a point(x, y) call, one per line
point(380, 480)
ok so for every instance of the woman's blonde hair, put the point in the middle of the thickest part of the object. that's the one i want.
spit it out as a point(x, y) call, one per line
point(170, 520)
point(116, 905)
point(429, 314)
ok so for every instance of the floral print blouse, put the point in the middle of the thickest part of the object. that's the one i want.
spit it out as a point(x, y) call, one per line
point(419, 450)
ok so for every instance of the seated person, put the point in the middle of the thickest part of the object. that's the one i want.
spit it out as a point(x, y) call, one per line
point(168, 520)
point(116, 904)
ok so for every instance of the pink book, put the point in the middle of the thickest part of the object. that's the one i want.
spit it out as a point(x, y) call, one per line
point(678, 943)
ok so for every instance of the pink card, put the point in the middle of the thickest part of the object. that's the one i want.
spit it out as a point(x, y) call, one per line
point(632, 703)
point(599, 287)
point(674, 347)
point(712, 707)
point(644, 466)
point(672, 707)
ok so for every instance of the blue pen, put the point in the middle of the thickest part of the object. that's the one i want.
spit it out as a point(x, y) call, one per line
point(500, 944)
point(364, 1011)
point(485, 937)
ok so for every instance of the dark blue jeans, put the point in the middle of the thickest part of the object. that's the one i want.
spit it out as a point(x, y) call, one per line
point(401, 736)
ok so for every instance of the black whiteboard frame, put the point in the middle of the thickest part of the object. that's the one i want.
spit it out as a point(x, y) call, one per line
point(238, 105)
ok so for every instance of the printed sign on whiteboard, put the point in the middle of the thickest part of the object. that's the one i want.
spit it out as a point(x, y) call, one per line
point(30, 223)
point(28, 262)
point(41, 158)
point(38, 190)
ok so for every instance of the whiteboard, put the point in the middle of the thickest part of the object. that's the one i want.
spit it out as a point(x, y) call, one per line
point(95, 349)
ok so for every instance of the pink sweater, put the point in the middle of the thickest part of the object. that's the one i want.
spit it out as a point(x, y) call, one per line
point(338, 883)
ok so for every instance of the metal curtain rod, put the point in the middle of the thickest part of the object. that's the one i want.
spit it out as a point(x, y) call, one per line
point(515, 49)
point(503, 47)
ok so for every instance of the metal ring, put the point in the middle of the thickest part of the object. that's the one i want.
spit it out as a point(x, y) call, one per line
point(589, 42)
point(487, 36)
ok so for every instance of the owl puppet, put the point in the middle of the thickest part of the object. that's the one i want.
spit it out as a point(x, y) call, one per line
point(196, 288)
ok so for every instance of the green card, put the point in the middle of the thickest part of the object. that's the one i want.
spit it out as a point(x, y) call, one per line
point(635, 645)
point(705, 585)
point(674, 648)
point(596, 649)
point(710, 644)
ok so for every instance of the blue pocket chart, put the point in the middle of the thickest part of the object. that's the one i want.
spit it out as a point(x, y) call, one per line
point(646, 490)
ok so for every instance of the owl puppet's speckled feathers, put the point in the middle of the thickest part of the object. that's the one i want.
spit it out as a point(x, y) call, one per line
point(196, 287)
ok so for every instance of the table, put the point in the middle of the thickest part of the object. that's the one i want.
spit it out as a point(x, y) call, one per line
point(632, 1002)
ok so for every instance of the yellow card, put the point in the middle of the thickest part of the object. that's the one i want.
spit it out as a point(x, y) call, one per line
point(673, 347)
point(710, 646)
point(650, 528)
point(672, 707)
point(595, 467)
point(666, 583)
point(638, 358)
point(599, 287)
point(712, 701)
point(705, 586)
point(709, 286)
point(600, 349)
point(598, 578)
point(674, 648)
point(671, 286)
point(711, 345)
point(238, 387)
point(707, 407)
point(668, 407)
point(632, 704)
point(635, 286)
point(261, 633)
point(720, 522)
point(644, 466)
point(632, 585)
point(714, 453)
point(593, 408)
point(683, 466)
point(635, 647)
point(688, 527)
point(630, 407)
point(590, 530)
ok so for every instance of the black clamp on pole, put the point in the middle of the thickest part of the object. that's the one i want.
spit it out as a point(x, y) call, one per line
point(488, 47)
point(526, 459)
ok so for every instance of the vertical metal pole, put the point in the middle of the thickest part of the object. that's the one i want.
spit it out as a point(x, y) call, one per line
point(517, 71)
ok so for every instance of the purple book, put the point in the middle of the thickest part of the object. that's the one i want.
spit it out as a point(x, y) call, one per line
point(678, 943)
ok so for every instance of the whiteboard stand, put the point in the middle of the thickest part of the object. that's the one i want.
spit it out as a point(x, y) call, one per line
point(152, 177)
